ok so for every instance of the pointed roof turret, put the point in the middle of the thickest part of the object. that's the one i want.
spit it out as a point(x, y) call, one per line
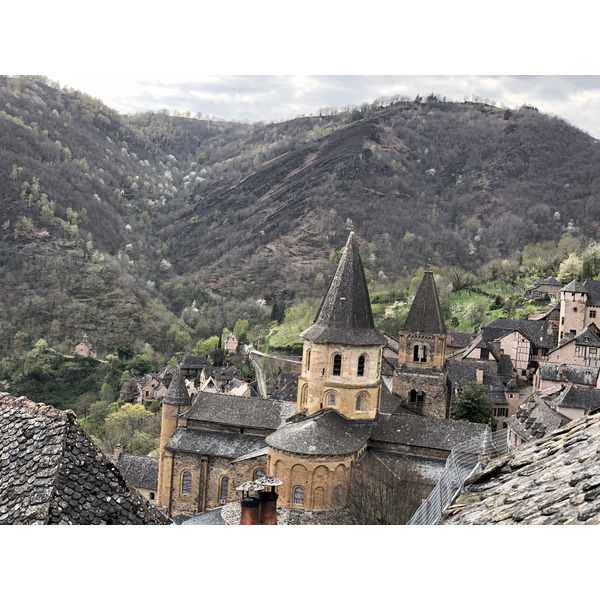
point(177, 393)
point(345, 315)
point(425, 315)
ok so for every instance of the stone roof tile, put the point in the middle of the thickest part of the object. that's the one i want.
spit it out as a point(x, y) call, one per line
point(345, 315)
point(52, 473)
point(425, 315)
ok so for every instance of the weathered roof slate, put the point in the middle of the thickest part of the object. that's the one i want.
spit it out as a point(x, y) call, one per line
point(577, 374)
point(425, 432)
point(177, 394)
point(586, 399)
point(214, 443)
point(52, 473)
point(553, 481)
point(345, 315)
point(537, 332)
point(325, 433)
point(237, 411)
point(139, 471)
point(425, 315)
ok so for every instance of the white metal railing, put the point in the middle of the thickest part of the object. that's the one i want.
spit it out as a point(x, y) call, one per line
point(465, 460)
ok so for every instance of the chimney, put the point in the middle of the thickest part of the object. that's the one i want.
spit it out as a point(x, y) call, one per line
point(249, 514)
point(267, 510)
point(562, 372)
point(479, 375)
point(117, 452)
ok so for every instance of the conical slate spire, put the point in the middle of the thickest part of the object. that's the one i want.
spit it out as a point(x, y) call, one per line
point(177, 393)
point(425, 315)
point(345, 315)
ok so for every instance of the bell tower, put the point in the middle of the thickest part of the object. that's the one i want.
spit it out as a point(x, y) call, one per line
point(420, 376)
point(341, 362)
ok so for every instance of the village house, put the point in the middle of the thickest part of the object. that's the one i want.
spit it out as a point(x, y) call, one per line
point(85, 349)
point(582, 349)
point(550, 374)
point(549, 287)
point(579, 307)
point(231, 344)
point(141, 472)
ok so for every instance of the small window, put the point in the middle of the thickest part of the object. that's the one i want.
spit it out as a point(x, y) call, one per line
point(152, 495)
point(308, 360)
point(416, 354)
point(484, 353)
point(423, 353)
point(299, 496)
point(360, 371)
point(574, 309)
point(412, 396)
point(224, 489)
point(331, 399)
point(186, 483)
point(420, 397)
point(335, 497)
point(258, 474)
point(337, 364)
point(359, 403)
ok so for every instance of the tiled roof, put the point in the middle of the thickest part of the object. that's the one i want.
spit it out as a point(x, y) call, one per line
point(237, 411)
point(462, 373)
point(194, 362)
point(425, 432)
point(580, 398)
point(325, 433)
point(52, 473)
point(588, 337)
point(535, 331)
point(177, 393)
point(425, 315)
point(458, 339)
point(577, 374)
point(214, 443)
point(345, 315)
point(552, 481)
point(575, 287)
point(593, 291)
point(535, 418)
point(139, 471)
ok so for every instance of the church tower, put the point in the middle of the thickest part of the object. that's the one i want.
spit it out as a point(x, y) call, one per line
point(342, 352)
point(176, 401)
point(420, 376)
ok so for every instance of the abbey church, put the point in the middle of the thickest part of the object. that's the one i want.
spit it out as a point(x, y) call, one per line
point(344, 412)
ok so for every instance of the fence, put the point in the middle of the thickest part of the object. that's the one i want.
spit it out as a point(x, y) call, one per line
point(465, 460)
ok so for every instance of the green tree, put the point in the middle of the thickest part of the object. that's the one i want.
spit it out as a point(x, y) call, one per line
point(473, 405)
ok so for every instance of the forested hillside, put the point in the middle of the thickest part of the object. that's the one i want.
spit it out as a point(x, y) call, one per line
point(159, 231)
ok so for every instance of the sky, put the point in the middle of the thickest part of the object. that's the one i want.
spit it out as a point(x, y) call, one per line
point(261, 62)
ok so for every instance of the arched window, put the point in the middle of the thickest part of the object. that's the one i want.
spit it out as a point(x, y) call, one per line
point(304, 396)
point(412, 397)
point(359, 403)
point(258, 474)
point(337, 364)
point(331, 399)
point(423, 353)
point(224, 491)
point(420, 396)
point(360, 370)
point(335, 497)
point(416, 354)
point(308, 360)
point(299, 496)
point(186, 483)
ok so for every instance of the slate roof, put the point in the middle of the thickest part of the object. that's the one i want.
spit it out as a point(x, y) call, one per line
point(593, 291)
point(222, 373)
point(575, 287)
point(425, 315)
point(461, 373)
point(345, 315)
point(585, 399)
point(553, 481)
point(237, 411)
point(177, 393)
point(535, 331)
point(425, 432)
point(458, 339)
point(535, 418)
point(194, 362)
point(325, 433)
point(577, 374)
point(139, 471)
point(588, 337)
point(214, 443)
point(52, 473)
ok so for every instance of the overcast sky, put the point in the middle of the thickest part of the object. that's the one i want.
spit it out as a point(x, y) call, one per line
point(149, 56)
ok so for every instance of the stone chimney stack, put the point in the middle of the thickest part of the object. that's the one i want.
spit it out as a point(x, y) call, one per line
point(562, 372)
point(267, 510)
point(117, 452)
